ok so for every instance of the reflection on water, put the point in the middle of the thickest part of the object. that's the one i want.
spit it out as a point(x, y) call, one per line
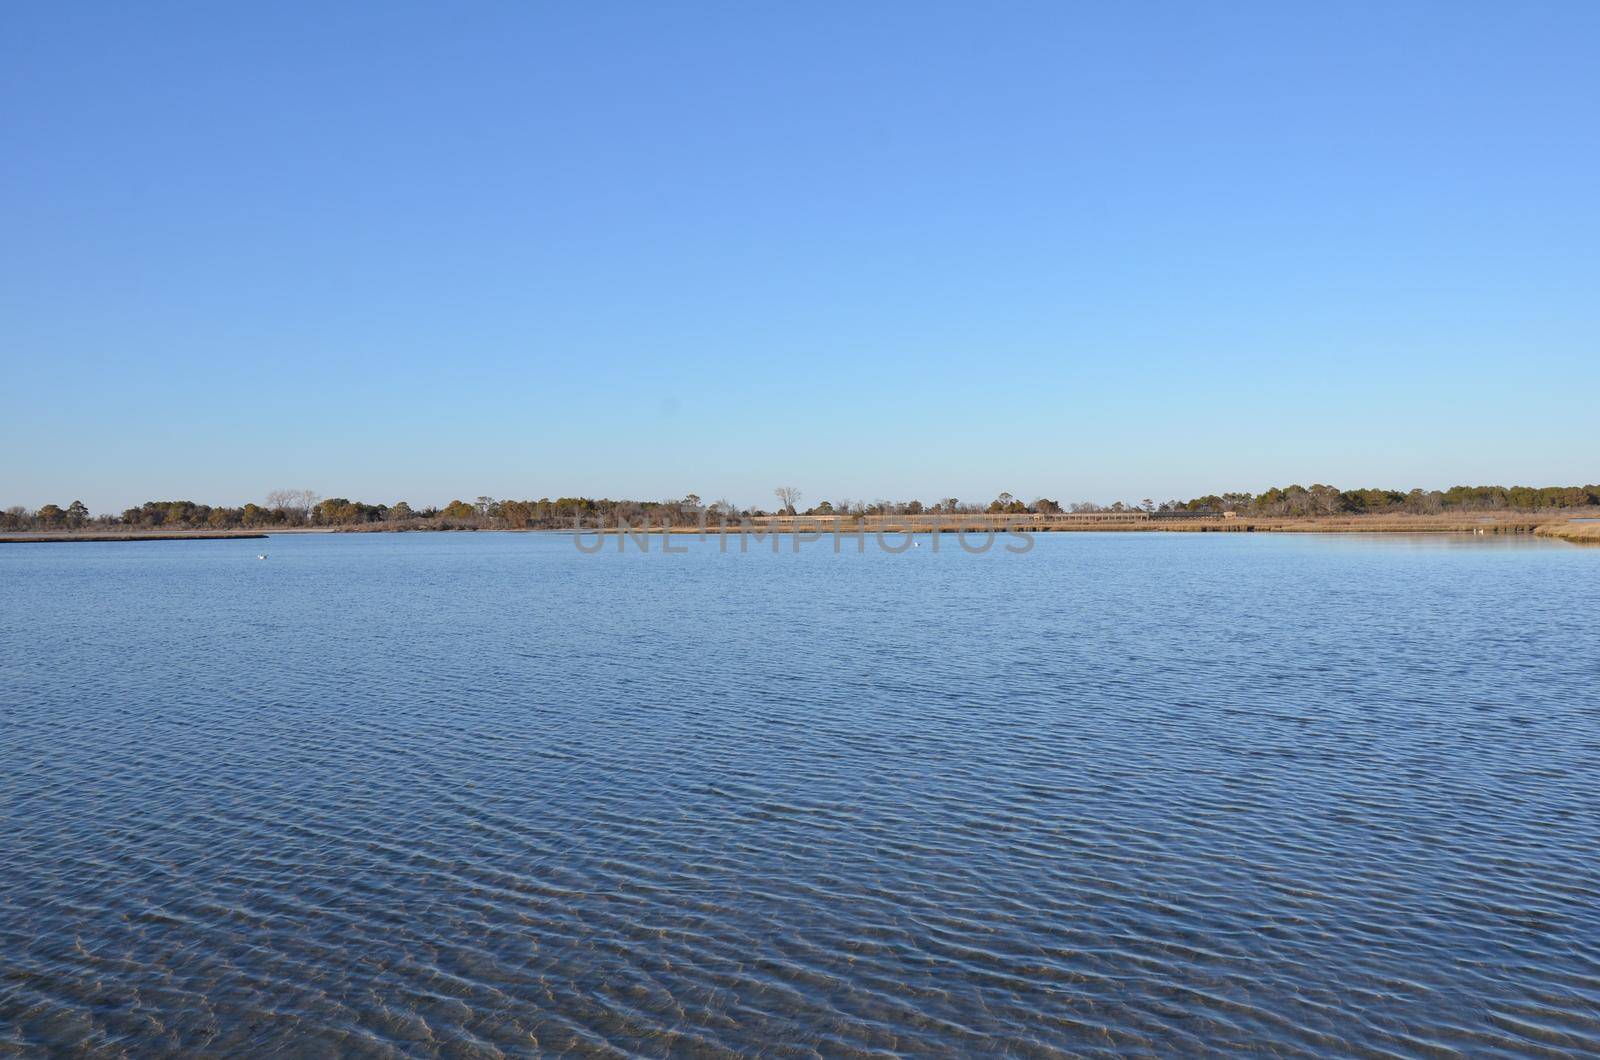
point(480, 794)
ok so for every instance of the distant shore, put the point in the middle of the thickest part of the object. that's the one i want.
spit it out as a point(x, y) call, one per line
point(1140, 522)
point(60, 536)
point(1581, 527)
point(1559, 526)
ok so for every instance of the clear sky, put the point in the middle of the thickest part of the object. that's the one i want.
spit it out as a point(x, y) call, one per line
point(874, 250)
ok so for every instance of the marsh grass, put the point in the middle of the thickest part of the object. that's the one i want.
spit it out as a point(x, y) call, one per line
point(1583, 533)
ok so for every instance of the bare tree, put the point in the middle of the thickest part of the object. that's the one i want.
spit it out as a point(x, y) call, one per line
point(294, 502)
point(788, 498)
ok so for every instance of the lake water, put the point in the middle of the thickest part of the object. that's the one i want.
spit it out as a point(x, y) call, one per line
point(460, 794)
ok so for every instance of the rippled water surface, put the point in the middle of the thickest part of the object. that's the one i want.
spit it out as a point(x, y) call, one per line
point(469, 794)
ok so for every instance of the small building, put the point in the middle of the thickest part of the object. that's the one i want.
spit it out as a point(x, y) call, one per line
point(1230, 515)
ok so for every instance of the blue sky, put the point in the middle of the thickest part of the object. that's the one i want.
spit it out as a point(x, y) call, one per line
point(406, 251)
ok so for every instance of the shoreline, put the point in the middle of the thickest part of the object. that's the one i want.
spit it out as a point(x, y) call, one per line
point(1563, 528)
point(132, 535)
point(1577, 532)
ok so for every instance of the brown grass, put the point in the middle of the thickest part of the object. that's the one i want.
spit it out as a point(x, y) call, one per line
point(1586, 533)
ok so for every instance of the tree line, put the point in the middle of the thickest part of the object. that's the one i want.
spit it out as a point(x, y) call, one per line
point(284, 509)
point(1329, 500)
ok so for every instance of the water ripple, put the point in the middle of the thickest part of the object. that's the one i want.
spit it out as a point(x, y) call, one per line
point(480, 795)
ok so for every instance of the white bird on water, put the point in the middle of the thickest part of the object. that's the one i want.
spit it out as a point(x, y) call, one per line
point(262, 556)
